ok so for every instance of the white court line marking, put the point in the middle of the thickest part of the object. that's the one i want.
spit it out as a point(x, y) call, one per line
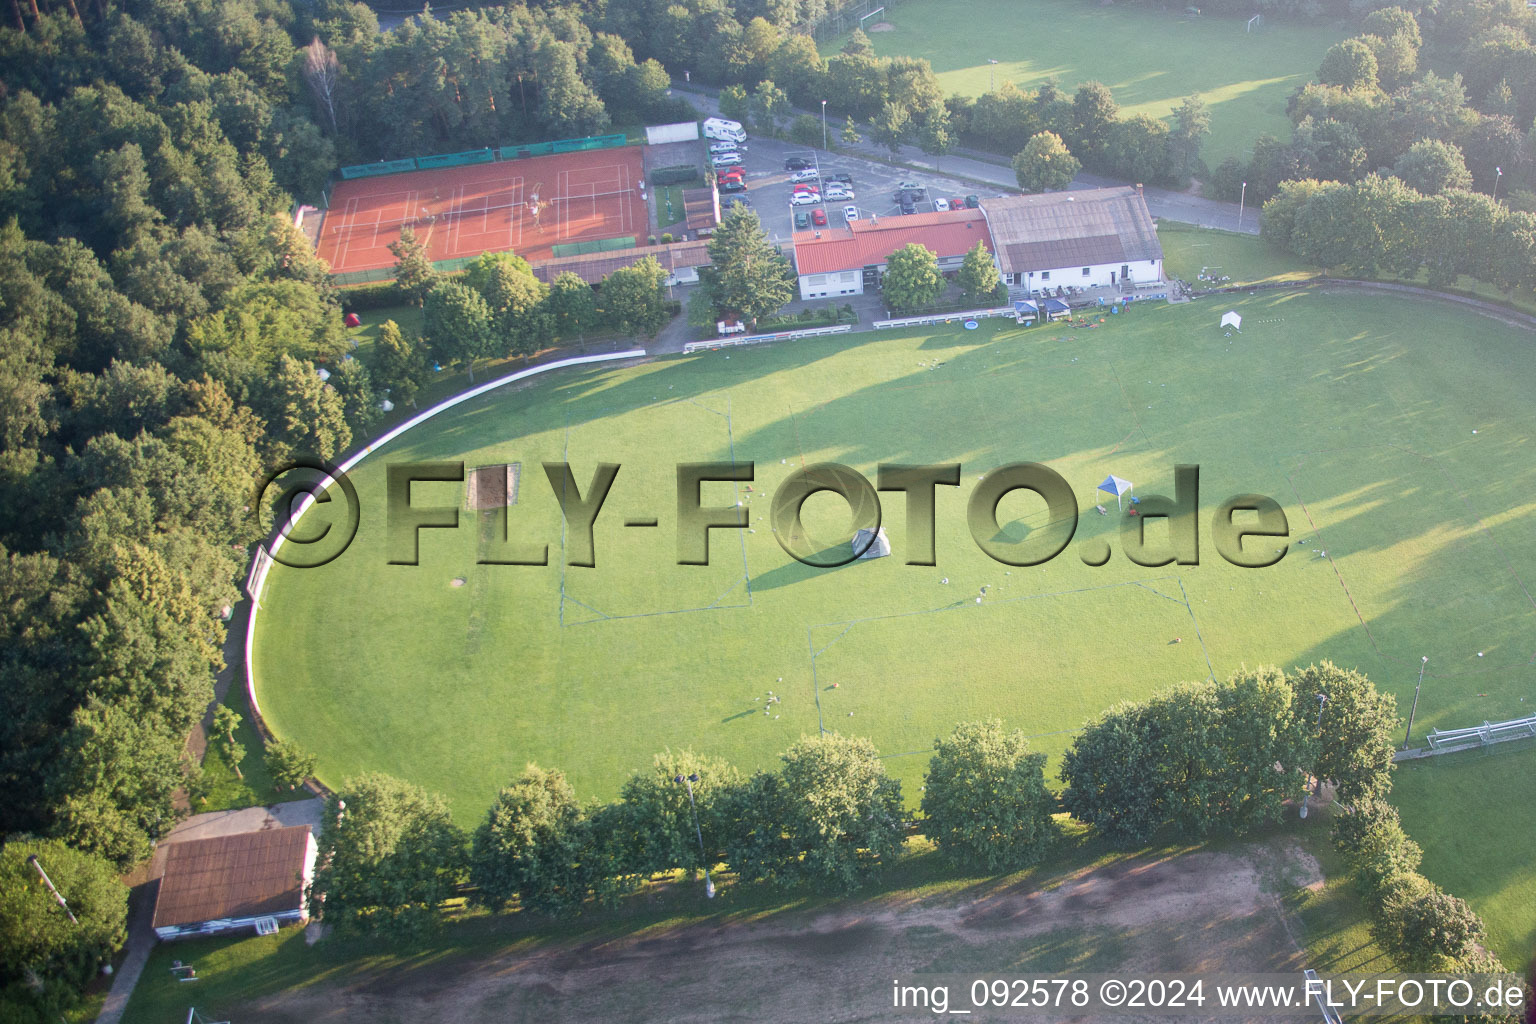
point(454, 236)
point(344, 229)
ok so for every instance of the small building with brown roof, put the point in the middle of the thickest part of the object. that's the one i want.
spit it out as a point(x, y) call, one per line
point(1092, 238)
point(249, 880)
point(701, 211)
point(681, 261)
point(845, 259)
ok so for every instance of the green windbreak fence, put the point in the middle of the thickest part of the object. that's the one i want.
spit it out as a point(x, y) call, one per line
point(564, 146)
point(347, 277)
point(473, 156)
point(485, 156)
point(377, 274)
point(595, 245)
point(383, 167)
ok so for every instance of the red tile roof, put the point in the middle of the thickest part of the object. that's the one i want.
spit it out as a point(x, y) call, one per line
point(870, 243)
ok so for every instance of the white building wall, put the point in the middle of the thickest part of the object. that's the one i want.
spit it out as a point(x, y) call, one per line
point(1102, 275)
point(822, 286)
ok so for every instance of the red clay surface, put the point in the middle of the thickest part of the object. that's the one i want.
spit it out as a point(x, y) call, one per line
point(526, 206)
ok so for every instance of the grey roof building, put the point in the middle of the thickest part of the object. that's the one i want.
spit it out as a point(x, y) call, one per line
point(1101, 237)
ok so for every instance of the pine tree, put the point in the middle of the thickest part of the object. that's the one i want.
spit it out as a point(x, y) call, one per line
point(748, 276)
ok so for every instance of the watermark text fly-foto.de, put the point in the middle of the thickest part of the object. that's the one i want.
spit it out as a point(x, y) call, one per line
point(1248, 530)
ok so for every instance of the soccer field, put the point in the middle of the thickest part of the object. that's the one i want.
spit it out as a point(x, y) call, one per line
point(1392, 433)
point(1151, 59)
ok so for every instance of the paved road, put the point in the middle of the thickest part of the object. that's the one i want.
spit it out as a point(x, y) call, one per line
point(968, 168)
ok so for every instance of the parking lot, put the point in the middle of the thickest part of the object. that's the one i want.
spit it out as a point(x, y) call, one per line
point(874, 184)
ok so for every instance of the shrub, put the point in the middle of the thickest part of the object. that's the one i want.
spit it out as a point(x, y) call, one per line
point(366, 297)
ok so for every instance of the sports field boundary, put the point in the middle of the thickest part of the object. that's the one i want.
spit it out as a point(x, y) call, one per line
point(346, 465)
point(1511, 315)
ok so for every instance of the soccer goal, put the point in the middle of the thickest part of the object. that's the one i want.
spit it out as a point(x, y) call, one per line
point(871, 14)
point(1255, 23)
point(193, 1017)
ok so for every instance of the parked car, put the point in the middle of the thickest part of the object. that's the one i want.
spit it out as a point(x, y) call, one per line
point(940, 205)
point(796, 163)
point(839, 191)
point(956, 203)
point(730, 201)
point(804, 199)
point(850, 212)
point(730, 159)
point(805, 174)
point(972, 202)
point(905, 202)
point(910, 186)
point(819, 217)
point(802, 220)
point(732, 185)
point(846, 179)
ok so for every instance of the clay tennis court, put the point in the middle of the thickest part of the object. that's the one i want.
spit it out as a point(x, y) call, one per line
point(527, 206)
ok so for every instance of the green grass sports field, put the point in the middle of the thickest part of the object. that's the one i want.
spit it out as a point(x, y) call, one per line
point(1151, 59)
point(1393, 433)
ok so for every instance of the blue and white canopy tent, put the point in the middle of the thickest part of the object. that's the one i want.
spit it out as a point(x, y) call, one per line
point(1117, 487)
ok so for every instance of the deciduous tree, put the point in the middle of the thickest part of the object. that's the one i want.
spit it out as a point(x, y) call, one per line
point(456, 324)
point(985, 800)
point(1045, 164)
point(634, 298)
point(1348, 65)
point(912, 279)
point(289, 764)
point(414, 273)
point(658, 819)
point(38, 940)
point(389, 856)
point(978, 277)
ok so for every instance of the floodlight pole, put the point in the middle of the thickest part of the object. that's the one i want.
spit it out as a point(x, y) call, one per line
point(689, 780)
point(1423, 662)
point(1242, 201)
point(32, 859)
point(823, 125)
point(1498, 172)
point(991, 75)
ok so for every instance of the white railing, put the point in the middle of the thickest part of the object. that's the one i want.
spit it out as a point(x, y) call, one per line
point(1482, 735)
point(758, 339)
point(940, 318)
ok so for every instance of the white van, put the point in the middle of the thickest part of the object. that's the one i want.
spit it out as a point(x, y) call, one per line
point(720, 128)
point(723, 147)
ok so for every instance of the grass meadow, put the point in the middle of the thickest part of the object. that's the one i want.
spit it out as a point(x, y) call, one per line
point(1393, 433)
point(1151, 59)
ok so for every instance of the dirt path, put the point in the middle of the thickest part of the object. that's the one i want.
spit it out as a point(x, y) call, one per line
point(1201, 911)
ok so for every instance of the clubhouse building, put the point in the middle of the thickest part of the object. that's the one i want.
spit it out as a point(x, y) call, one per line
point(1054, 243)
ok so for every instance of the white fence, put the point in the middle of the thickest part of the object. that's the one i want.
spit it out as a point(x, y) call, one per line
point(758, 339)
point(942, 318)
point(683, 131)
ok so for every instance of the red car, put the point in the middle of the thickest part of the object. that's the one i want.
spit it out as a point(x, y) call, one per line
point(819, 217)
